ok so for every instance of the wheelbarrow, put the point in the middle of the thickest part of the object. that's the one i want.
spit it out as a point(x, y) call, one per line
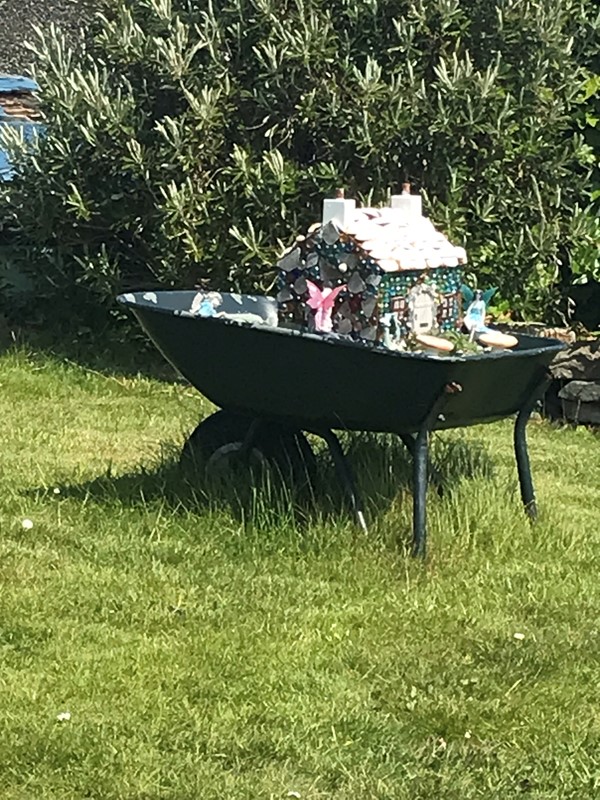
point(273, 384)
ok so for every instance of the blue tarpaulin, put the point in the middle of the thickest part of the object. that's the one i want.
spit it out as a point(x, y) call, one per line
point(17, 83)
point(9, 85)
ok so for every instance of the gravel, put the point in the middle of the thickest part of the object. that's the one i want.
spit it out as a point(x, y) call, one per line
point(17, 18)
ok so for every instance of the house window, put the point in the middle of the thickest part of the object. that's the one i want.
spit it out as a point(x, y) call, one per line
point(398, 304)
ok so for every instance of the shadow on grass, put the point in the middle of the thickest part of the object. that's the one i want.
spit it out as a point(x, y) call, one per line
point(116, 353)
point(381, 465)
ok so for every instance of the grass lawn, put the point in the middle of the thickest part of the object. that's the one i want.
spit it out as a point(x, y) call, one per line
point(209, 650)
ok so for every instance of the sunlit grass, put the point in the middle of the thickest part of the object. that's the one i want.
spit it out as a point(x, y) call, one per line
point(253, 647)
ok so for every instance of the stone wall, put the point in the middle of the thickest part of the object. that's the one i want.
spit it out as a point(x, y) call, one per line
point(574, 395)
point(577, 370)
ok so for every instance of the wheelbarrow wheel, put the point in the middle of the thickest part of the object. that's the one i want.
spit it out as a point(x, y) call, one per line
point(216, 448)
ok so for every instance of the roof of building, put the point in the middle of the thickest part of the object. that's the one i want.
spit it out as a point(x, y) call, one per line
point(19, 108)
point(387, 239)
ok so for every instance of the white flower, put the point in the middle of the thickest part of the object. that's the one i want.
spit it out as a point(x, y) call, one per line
point(64, 716)
point(468, 734)
point(294, 794)
point(27, 524)
point(519, 636)
point(56, 490)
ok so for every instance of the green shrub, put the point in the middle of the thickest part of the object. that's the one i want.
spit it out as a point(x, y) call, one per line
point(189, 141)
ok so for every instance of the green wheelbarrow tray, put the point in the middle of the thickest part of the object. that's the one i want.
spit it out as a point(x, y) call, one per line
point(318, 383)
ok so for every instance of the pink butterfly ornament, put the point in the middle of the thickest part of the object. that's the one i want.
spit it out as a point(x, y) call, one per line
point(321, 301)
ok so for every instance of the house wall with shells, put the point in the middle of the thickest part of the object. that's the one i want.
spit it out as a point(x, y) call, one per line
point(330, 257)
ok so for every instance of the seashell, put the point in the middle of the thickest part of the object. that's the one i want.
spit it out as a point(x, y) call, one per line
point(372, 245)
point(411, 260)
point(300, 239)
point(350, 228)
point(371, 213)
point(366, 230)
point(388, 265)
point(368, 245)
point(314, 227)
point(381, 253)
point(461, 254)
point(292, 259)
point(356, 284)
point(343, 267)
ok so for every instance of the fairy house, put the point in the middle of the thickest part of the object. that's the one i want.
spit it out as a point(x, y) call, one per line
point(375, 274)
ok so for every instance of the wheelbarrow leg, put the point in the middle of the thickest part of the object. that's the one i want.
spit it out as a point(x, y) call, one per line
point(521, 453)
point(345, 474)
point(249, 440)
point(420, 459)
point(410, 442)
point(420, 444)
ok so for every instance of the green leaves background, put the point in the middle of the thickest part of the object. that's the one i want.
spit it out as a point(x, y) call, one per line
point(189, 141)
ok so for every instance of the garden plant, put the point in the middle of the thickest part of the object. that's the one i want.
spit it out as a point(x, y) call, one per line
point(187, 142)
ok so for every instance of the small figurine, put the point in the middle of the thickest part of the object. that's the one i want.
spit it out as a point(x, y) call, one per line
point(474, 320)
point(321, 301)
point(205, 304)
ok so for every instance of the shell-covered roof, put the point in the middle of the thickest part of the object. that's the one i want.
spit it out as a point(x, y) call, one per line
point(393, 240)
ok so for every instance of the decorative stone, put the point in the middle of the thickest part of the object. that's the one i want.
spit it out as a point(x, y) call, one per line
point(344, 326)
point(368, 305)
point(344, 309)
point(579, 361)
point(312, 260)
point(330, 273)
point(581, 402)
point(356, 283)
point(284, 295)
point(290, 260)
point(330, 233)
point(300, 286)
point(377, 261)
point(369, 333)
point(583, 391)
